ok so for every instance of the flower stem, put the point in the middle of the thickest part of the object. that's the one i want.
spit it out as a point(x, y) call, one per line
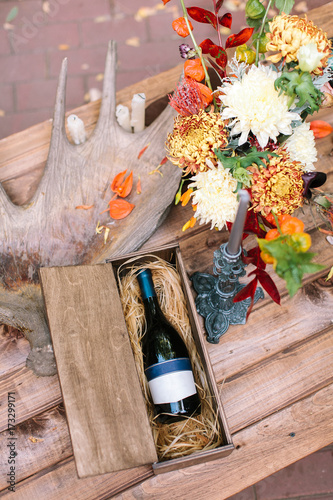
point(261, 31)
point(196, 46)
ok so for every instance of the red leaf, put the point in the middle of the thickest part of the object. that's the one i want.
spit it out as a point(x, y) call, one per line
point(217, 68)
point(252, 224)
point(219, 5)
point(268, 284)
point(247, 291)
point(239, 39)
point(202, 15)
point(205, 45)
point(216, 51)
point(253, 257)
point(226, 20)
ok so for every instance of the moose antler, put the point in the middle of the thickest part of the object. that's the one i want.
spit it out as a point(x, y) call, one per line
point(50, 231)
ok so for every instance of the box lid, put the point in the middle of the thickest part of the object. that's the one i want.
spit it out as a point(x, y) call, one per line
point(104, 404)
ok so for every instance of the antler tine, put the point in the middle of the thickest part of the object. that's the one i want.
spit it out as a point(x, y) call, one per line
point(107, 114)
point(58, 128)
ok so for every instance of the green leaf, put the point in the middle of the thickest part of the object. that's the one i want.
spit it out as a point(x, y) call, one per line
point(254, 156)
point(291, 265)
point(12, 14)
point(254, 23)
point(284, 5)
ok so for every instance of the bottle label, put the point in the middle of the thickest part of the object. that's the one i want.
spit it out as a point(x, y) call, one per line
point(171, 380)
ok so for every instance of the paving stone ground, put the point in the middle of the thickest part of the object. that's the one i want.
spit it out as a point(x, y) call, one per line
point(32, 46)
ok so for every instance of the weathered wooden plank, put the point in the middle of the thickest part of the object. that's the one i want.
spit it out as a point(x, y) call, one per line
point(269, 330)
point(272, 329)
point(61, 482)
point(104, 404)
point(13, 352)
point(261, 450)
point(33, 394)
point(280, 381)
point(40, 442)
point(247, 397)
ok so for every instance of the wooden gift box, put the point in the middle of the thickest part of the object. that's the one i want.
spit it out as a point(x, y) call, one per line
point(105, 407)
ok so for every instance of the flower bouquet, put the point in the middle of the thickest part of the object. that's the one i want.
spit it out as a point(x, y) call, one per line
point(249, 132)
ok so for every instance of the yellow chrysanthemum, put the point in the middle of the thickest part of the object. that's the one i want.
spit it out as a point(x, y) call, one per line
point(289, 33)
point(278, 187)
point(194, 139)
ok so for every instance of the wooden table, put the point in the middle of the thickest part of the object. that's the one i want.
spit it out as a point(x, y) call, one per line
point(274, 373)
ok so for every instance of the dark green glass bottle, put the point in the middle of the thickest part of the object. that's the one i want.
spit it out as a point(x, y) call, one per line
point(166, 361)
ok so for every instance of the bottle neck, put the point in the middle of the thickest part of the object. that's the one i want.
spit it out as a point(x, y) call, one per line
point(152, 309)
point(148, 294)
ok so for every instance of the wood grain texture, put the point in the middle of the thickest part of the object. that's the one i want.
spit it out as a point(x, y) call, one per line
point(261, 449)
point(287, 344)
point(104, 404)
point(41, 441)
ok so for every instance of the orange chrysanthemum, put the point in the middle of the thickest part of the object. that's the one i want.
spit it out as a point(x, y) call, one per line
point(194, 139)
point(278, 186)
point(289, 33)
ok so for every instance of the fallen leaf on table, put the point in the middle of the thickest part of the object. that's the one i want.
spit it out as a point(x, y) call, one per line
point(35, 440)
point(8, 26)
point(133, 42)
point(142, 151)
point(46, 7)
point(84, 207)
point(102, 19)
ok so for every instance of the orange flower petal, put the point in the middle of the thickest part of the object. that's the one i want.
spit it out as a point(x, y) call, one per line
point(206, 93)
point(142, 151)
point(180, 27)
point(84, 207)
point(165, 1)
point(118, 179)
point(119, 209)
point(193, 69)
point(126, 187)
point(185, 197)
point(320, 128)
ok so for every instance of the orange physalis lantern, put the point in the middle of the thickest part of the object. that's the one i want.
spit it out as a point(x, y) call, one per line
point(180, 27)
point(194, 69)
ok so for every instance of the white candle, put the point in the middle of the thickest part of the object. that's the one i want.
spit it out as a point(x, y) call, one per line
point(123, 117)
point(76, 129)
point(236, 234)
point(138, 112)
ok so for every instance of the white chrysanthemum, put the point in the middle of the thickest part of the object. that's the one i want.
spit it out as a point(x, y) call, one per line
point(301, 146)
point(216, 202)
point(256, 106)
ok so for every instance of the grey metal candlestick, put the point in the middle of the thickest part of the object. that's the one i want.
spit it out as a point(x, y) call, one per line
point(216, 293)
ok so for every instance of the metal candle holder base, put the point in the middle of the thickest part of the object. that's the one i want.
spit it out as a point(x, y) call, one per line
point(215, 294)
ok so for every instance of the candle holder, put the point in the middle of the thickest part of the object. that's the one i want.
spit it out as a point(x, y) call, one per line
point(216, 293)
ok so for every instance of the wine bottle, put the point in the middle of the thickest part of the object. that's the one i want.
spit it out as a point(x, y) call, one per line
point(166, 360)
